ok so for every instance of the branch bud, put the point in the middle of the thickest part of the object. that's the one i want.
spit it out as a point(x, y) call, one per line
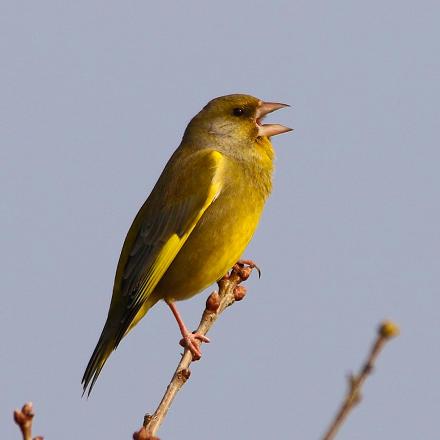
point(213, 302)
point(388, 329)
point(239, 293)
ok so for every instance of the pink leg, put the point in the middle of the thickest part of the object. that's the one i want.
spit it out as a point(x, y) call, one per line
point(191, 340)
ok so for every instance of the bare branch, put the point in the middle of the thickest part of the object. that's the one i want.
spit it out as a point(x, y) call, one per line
point(23, 418)
point(385, 332)
point(229, 292)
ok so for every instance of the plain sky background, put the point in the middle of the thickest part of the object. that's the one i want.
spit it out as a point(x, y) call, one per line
point(95, 96)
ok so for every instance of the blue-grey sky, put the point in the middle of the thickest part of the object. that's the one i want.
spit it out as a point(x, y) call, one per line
point(95, 96)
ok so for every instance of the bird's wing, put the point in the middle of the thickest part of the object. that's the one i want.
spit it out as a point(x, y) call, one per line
point(161, 228)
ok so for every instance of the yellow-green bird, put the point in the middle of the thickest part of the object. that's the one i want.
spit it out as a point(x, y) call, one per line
point(197, 221)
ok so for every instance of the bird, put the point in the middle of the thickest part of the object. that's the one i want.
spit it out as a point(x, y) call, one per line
point(197, 220)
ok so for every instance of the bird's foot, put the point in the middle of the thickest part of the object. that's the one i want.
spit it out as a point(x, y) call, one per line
point(244, 269)
point(192, 342)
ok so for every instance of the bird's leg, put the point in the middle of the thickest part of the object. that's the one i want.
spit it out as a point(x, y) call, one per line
point(190, 340)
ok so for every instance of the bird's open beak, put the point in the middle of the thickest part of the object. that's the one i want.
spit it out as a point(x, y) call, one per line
point(269, 129)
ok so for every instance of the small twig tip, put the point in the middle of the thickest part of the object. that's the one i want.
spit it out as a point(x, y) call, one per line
point(388, 329)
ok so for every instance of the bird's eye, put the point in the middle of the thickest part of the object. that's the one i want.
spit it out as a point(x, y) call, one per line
point(237, 111)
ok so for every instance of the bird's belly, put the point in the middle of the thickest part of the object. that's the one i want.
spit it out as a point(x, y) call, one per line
point(212, 248)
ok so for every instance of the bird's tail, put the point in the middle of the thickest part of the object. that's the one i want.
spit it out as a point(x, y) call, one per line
point(103, 349)
point(108, 341)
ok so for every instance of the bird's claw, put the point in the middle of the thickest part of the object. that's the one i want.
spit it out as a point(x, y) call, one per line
point(192, 342)
point(244, 269)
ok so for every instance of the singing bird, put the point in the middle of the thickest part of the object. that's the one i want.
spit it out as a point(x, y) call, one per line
point(197, 221)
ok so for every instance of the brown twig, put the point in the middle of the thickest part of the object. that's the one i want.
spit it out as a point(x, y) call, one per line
point(385, 332)
point(229, 292)
point(23, 418)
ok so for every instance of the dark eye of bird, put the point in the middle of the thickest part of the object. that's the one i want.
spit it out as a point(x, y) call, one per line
point(237, 111)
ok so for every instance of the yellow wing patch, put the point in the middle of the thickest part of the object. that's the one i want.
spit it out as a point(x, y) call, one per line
point(175, 242)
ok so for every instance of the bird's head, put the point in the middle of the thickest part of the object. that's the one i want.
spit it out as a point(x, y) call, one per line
point(236, 118)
